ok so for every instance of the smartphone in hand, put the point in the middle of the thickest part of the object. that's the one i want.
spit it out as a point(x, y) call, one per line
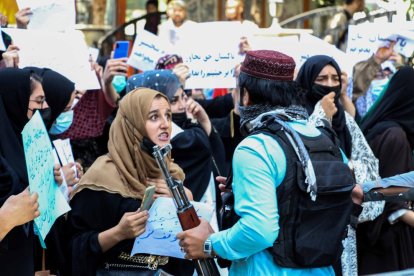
point(121, 49)
point(148, 198)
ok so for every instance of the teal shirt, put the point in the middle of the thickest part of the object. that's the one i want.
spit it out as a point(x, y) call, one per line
point(259, 166)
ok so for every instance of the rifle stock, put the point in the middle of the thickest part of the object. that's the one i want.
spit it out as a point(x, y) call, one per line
point(185, 210)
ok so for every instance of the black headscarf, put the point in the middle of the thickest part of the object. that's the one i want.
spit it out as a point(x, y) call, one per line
point(58, 90)
point(306, 78)
point(396, 106)
point(14, 101)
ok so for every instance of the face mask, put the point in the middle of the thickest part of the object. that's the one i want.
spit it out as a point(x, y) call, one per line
point(62, 123)
point(179, 118)
point(119, 83)
point(147, 145)
point(377, 86)
point(46, 115)
point(319, 91)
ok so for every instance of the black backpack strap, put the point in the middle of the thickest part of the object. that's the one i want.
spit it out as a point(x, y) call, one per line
point(327, 129)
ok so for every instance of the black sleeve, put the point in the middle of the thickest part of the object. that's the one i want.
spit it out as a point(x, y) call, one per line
point(10, 184)
point(94, 212)
point(218, 107)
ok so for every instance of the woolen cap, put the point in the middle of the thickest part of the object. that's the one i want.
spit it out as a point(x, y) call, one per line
point(269, 65)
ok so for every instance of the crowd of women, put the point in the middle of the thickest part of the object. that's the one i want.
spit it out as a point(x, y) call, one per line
point(112, 135)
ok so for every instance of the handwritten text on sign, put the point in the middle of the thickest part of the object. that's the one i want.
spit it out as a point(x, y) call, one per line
point(162, 227)
point(147, 50)
point(363, 41)
point(213, 56)
point(40, 162)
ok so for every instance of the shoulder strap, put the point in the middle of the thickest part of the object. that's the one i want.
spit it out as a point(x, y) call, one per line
point(328, 130)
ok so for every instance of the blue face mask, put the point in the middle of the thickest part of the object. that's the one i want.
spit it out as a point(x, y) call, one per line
point(62, 123)
point(119, 83)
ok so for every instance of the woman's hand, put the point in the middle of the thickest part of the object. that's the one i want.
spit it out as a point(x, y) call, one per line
point(162, 190)
point(70, 174)
point(198, 112)
point(132, 224)
point(17, 210)
point(113, 68)
point(384, 53)
point(23, 18)
point(58, 176)
point(182, 71)
point(3, 20)
point(328, 105)
point(21, 208)
point(11, 56)
point(161, 187)
point(244, 46)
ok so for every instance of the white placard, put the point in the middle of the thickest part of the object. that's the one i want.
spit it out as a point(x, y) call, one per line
point(288, 45)
point(147, 49)
point(365, 39)
point(93, 53)
point(64, 151)
point(211, 56)
point(159, 237)
point(66, 53)
point(56, 15)
point(311, 45)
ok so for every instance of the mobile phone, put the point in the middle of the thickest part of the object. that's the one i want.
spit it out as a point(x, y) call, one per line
point(121, 49)
point(147, 200)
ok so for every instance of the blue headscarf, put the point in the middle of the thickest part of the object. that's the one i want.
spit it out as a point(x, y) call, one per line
point(164, 81)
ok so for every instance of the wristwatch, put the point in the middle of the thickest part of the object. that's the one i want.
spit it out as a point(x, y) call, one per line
point(208, 249)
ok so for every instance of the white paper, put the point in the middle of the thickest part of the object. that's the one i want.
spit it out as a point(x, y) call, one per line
point(311, 45)
point(2, 45)
point(147, 49)
point(93, 53)
point(175, 130)
point(56, 15)
point(162, 228)
point(66, 53)
point(288, 45)
point(211, 56)
point(364, 40)
point(64, 151)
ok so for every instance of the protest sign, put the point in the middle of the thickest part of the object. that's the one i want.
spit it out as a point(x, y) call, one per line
point(162, 227)
point(147, 49)
point(365, 39)
point(40, 162)
point(213, 56)
point(311, 45)
point(66, 53)
point(288, 45)
point(56, 15)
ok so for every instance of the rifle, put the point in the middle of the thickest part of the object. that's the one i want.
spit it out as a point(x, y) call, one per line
point(185, 210)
